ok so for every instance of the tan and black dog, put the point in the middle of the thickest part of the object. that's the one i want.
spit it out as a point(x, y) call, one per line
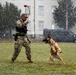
point(54, 49)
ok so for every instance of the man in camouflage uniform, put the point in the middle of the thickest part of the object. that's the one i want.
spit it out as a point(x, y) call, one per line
point(22, 39)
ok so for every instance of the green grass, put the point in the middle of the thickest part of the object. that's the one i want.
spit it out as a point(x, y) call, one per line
point(40, 56)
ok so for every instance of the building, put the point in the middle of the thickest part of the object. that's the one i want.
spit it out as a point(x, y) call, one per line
point(40, 14)
point(40, 17)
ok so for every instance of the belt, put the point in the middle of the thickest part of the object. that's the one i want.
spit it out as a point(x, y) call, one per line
point(20, 33)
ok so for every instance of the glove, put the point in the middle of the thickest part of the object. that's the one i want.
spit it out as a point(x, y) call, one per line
point(29, 41)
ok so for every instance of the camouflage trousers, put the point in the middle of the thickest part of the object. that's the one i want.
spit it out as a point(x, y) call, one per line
point(21, 41)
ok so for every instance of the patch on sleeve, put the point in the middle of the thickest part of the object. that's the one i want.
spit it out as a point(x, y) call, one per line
point(18, 23)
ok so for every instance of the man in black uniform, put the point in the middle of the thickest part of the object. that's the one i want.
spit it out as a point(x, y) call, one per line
point(21, 38)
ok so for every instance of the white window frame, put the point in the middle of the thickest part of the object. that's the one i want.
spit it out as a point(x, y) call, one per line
point(41, 25)
point(41, 10)
point(41, 0)
point(53, 25)
point(53, 8)
point(27, 0)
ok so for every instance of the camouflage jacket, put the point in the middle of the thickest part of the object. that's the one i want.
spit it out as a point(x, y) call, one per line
point(21, 27)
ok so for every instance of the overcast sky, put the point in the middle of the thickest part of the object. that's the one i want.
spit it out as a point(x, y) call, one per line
point(19, 3)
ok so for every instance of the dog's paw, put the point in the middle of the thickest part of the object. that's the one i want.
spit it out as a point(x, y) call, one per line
point(61, 52)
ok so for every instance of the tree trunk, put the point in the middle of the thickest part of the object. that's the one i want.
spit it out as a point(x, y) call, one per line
point(66, 19)
point(10, 33)
point(66, 14)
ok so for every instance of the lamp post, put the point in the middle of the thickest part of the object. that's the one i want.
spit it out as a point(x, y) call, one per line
point(34, 19)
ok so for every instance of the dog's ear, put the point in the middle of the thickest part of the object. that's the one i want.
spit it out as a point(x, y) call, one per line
point(49, 36)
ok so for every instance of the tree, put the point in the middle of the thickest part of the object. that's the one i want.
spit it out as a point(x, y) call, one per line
point(11, 14)
point(65, 14)
point(1, 20)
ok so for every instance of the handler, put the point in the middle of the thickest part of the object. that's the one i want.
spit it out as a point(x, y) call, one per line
point(21, 39)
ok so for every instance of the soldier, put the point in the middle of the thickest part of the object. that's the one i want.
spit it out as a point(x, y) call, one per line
point(21, 38)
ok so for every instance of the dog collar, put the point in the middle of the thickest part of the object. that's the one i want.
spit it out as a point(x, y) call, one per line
point(51, 40)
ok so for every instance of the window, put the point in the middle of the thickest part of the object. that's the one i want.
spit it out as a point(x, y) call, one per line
point(53, 25)
point(41, 10)
point(14, 0)
point(27, 0)
point(29, 26)
point(53, 8)
point(27, 10)
point(41, 0)
point(41, 25)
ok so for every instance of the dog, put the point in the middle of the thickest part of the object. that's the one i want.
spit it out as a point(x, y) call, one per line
point(54, 49)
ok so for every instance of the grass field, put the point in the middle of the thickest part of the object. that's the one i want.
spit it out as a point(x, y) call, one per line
point(40, 56)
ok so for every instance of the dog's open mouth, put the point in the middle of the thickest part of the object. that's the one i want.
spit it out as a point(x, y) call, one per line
point(45, 40)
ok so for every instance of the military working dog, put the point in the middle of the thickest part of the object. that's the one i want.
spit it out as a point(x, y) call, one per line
point(54, 49)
